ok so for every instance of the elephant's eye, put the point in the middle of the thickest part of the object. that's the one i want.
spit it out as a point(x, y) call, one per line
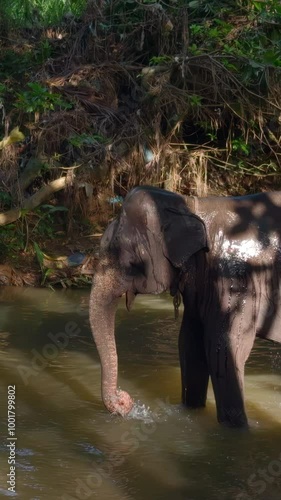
point(137, 268)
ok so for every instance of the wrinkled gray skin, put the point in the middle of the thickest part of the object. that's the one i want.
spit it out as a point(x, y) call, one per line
point(224, 256)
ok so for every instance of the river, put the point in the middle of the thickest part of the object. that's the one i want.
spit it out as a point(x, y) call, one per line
point(69, 447)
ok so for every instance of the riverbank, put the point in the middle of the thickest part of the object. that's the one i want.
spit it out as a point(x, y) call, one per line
point(98, 99)
point(65, 264)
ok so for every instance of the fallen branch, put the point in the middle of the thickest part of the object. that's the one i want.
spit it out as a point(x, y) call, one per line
point(34, 201)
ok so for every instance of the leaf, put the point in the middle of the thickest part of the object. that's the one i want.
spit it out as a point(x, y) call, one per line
point(47, 273)
point(255, 64)
point(270, 57)
point(258, 6)
point(53, 208)
point(15, 136)
point(194, 4)
point(39, 254)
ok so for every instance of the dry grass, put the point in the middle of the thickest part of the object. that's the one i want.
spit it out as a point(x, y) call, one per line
point(151, 124)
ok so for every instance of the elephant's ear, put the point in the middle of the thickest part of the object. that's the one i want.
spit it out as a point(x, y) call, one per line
point(184, 234)
point(108, 236)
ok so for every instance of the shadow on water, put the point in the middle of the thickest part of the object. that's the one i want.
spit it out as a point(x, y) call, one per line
point(69, 444)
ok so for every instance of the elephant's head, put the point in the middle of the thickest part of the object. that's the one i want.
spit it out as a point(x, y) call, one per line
point(143, 251)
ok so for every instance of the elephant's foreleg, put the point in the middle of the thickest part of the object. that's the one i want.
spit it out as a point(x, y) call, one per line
point(226, 364)
point(193, 362)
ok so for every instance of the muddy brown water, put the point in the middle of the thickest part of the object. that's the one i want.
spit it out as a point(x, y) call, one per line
point(69, 447)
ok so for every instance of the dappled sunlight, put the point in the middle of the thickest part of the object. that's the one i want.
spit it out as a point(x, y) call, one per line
point(69, 443)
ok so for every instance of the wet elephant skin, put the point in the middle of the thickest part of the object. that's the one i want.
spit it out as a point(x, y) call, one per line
point(223, 255)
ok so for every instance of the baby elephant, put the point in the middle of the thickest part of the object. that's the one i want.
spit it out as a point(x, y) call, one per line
point(223, 255)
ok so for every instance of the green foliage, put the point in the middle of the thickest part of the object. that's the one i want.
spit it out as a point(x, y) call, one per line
point(5, 198)
point(54, 208)
point(39, 254)
point(81, 140)
point(32, 13)
point(125, 14)
point(240, 146)
point(158, 60)
point(45, 225)
point(18, 63)
point(39, 99)
point(258, 40)
point(42, 52)
point(40, 257)
point(210, 8)
point(212, 136)
point(12, 240)
point(195, 100)
point(3, 90)
point(13, 63)
point(267, 10)
point(39, 224)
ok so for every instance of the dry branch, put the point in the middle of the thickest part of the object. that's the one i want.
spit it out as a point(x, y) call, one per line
point(34, 201)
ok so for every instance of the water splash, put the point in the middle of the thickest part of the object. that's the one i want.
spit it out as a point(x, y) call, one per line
point(163, 412)
point(141, 412)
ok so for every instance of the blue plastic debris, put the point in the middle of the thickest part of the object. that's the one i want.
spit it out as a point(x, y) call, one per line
point(75, 259)
point(116, 199)
point(148, 154)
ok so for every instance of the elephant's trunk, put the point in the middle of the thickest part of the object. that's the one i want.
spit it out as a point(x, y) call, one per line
point(103, 305)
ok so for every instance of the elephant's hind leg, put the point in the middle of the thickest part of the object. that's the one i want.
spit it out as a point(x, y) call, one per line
point(227, 363)
point(193, 362)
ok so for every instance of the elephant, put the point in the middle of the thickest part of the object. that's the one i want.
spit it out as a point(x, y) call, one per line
point(222, 257)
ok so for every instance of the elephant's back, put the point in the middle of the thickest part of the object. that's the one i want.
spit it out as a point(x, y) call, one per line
point(247, 221)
